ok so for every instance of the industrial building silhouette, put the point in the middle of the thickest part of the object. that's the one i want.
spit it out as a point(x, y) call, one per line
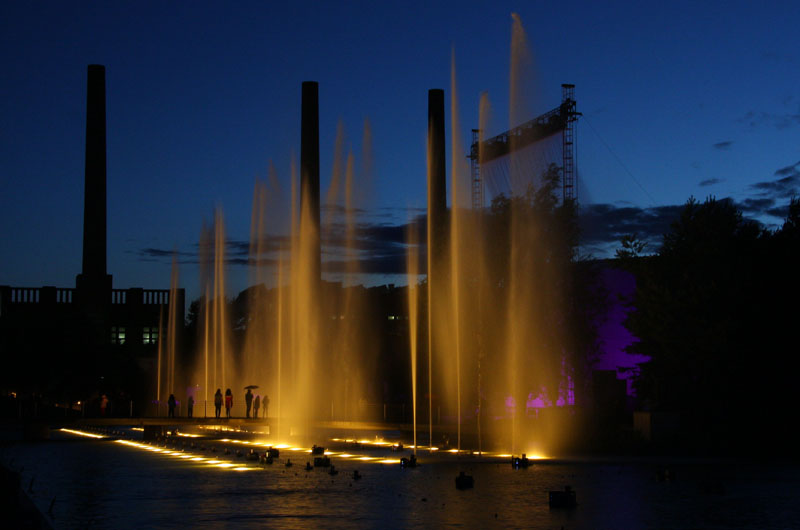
point(75, 343)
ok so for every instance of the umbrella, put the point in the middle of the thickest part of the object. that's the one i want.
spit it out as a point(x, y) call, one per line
point(250, 386)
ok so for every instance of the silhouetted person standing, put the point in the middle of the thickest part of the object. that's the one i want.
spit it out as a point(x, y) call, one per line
point(265, 402)
point(248, 400)
point(218, 402)
point(256, 405)
point(103, 405)
point(228, 402)
point(171, 405)
point(190, 406)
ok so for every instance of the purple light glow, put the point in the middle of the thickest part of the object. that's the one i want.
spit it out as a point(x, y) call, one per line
point(614, 337)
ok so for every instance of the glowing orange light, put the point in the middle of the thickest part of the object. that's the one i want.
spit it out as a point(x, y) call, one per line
point(81, 433)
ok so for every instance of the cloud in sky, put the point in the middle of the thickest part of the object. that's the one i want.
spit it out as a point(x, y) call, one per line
point(782, 188)
point(756, 206)
point(793, 170)
point(709, 182)
point(771, 196)
point(786, 187)
point(754, 119)
point(603, 225)
point(723, 146)
point(379, 247)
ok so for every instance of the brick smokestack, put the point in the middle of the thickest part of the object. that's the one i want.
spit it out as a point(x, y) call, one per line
point(93, 275)
point(309, 171)
point(437, 176)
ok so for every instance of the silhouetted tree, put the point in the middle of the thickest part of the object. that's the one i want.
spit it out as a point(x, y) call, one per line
point(708, 311)
point(632, 247)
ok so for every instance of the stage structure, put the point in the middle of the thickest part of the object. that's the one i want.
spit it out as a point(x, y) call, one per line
point(534, 144)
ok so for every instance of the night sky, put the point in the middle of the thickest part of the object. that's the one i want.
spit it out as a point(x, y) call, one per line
point(678, 99)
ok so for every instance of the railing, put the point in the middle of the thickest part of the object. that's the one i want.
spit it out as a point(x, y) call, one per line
point(25, 295)
point(143, 296)
point(118, 296)
point(155, 296)
point(64, 296)
point(39, 295)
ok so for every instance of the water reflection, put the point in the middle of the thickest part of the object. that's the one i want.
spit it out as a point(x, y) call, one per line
point(106, 484)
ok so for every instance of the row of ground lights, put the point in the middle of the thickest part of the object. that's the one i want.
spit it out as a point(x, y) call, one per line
point(383, 443)
point(231, 465)
point(364, 458)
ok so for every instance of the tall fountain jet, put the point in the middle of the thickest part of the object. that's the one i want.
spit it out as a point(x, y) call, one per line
point(93, 281)
point(307, 364)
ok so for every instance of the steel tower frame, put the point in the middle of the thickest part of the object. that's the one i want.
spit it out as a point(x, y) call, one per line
point(561, 118)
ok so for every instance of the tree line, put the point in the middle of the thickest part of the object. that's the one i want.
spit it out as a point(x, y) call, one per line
point(715, 309)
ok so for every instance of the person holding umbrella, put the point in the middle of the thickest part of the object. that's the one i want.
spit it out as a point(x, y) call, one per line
point(248, 399)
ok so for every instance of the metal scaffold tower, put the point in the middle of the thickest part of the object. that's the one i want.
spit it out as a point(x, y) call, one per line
point(560, 119)
point(568, 111)
point(475, 171)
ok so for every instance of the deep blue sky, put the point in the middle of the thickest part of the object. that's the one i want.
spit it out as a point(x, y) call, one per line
point(679, 99)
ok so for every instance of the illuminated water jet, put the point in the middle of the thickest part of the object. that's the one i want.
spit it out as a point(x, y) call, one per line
point(486, 318)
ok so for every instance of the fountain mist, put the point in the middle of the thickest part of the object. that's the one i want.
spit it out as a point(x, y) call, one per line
point(301, 340)
point(494, 307)
point(488, 319)
point(412, 271)
point(168, 341)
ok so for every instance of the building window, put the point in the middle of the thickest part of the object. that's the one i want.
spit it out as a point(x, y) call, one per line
point(117, 335)
point(150, 335)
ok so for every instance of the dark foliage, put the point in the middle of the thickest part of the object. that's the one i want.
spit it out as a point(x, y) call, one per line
point(715, 311)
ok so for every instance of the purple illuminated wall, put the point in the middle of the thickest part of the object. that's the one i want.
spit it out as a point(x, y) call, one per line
point(613, 335)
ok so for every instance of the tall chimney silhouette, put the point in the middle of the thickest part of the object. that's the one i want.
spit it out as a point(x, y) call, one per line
point(309, 174)
point(93, 276)
point(437, 176)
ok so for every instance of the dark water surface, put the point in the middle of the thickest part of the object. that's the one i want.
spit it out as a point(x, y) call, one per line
point(102, 484)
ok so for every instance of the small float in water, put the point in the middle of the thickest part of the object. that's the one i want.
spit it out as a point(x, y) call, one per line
point(409, 462)
point(563, 499)
point(520, 462)
point(464, 481)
